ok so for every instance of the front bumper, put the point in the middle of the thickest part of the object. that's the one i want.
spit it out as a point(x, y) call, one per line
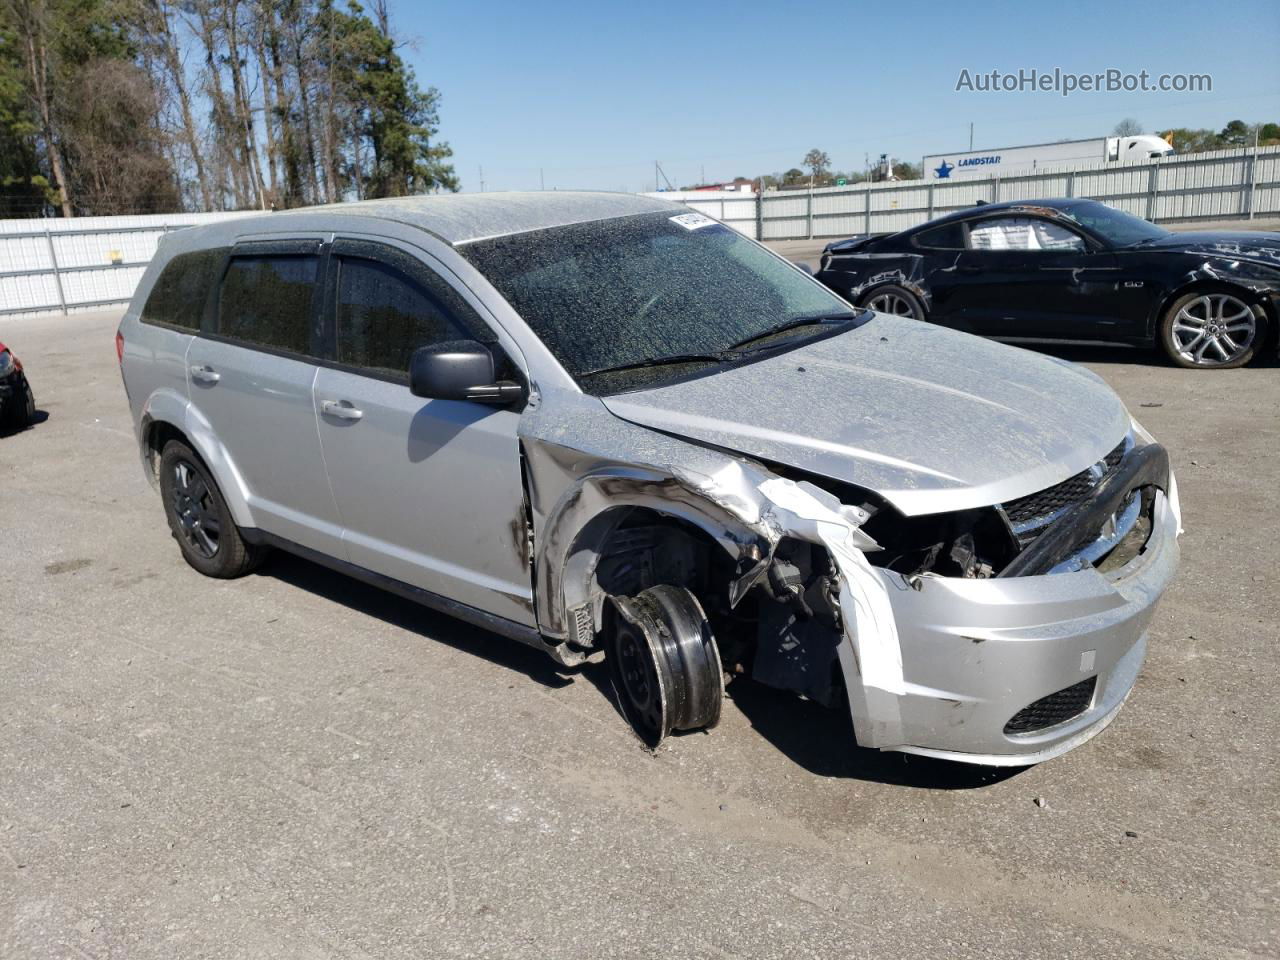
point(976, 652)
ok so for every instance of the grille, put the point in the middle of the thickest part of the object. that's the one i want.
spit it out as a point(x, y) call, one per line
point(1054, 709)
point(1064, 494)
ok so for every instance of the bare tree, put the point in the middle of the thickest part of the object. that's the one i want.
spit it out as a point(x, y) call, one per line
point(1128, 127)
point(818, 163)
point(31, 22)
point(158, 24)
point(247, 137)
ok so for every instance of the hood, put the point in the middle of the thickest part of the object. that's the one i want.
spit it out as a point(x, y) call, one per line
point(928, 418)
point(1235, 245)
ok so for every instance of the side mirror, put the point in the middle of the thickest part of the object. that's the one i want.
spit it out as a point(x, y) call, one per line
point(459, 370)
point(805, 266)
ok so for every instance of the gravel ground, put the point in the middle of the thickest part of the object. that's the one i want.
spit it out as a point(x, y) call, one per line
point(295, 765)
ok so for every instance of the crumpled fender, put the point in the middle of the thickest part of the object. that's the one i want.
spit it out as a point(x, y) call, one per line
point(744, 507)
point(903, 270)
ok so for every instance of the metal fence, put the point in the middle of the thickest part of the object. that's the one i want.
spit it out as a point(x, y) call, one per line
point(1224, 184)
point(72, 265)
point(68, 266)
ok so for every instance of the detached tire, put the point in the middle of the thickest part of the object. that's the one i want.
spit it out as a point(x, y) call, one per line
point(664, 663)
point(199, 518)
point(1211, 330)
point(894, 300)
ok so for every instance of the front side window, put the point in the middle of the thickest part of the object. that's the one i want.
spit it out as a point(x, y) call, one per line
point(182, 289)
point(630, 290)
point(266, 300)
point(1023, 233)
point(383, 316)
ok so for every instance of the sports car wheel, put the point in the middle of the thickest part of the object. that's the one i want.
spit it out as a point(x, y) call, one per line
point(664, 663)
point(1210, 330)
point(893, 300)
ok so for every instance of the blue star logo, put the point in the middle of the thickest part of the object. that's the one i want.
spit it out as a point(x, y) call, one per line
point(943, 170)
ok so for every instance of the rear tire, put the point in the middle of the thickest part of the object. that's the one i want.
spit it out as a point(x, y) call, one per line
point(894, 300)
point(1211, 330)
point(200, 519)
point(664, 663)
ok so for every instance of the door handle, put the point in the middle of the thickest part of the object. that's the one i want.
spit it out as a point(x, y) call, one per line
point(205, 373)
point(340, 409)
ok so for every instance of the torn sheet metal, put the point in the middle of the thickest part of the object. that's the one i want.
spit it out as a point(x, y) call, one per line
point(740, 504)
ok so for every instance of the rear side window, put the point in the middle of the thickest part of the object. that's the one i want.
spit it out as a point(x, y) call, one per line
point(383, 315)
point(182, 289)
point(266, 300)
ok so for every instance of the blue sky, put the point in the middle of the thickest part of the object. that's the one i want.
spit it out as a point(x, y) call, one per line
point(590, 94)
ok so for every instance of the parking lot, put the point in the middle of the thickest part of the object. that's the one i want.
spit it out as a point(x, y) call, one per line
point(297, 765)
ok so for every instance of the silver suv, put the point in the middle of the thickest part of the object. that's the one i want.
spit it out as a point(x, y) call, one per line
point(603, 424)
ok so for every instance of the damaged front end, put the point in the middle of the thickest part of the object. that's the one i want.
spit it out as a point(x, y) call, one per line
point(1004, 634)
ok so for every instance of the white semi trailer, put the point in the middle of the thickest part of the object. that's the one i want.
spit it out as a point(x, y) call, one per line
point(984, 164)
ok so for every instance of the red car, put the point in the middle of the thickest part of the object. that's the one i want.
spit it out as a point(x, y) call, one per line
point(17, 405)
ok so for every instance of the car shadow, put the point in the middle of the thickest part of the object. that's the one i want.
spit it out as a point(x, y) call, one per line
point(401, 612)
point(38, 418)
point(1095, 352)
point(821, 741)
point(1121, 353)
point(817, 739)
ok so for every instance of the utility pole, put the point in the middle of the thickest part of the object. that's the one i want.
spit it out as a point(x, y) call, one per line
point(656, 188)
point(481, 177)
point(542, 180)
point(970, 135)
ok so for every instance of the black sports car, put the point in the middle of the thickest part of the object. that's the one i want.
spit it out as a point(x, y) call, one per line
point(1071, 270)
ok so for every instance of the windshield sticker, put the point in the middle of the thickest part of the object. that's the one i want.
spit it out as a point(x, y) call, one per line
point(693, 221)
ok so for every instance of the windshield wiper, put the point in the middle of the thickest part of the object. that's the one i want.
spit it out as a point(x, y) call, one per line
point(724, 356)
point(793, 324)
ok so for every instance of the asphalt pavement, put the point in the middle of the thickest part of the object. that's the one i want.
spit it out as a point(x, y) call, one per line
point(294, 765)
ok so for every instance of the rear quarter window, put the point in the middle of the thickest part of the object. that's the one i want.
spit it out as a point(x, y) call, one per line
point(949, 236)
point(182, 289)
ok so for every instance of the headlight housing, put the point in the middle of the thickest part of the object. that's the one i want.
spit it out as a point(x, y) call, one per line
point(7, 363)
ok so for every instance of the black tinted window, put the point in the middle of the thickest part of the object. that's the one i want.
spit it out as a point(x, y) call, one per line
point(383, 316)
point(181, 290)
point(267, 300)
point(949, 236)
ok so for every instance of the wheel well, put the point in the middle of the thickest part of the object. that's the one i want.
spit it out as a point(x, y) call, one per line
point(902, 283)
point(630, 549)
point(1252, 297)
point(157, 434)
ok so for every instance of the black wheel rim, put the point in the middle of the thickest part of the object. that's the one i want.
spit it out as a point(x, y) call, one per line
point(639, 679)
point(194, 509)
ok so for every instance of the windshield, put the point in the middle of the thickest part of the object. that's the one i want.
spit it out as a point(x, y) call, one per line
point(631, 290)
point(1120, 229)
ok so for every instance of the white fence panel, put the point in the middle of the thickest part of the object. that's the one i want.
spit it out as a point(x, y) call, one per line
point(68, 265)
point(1220, 184)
